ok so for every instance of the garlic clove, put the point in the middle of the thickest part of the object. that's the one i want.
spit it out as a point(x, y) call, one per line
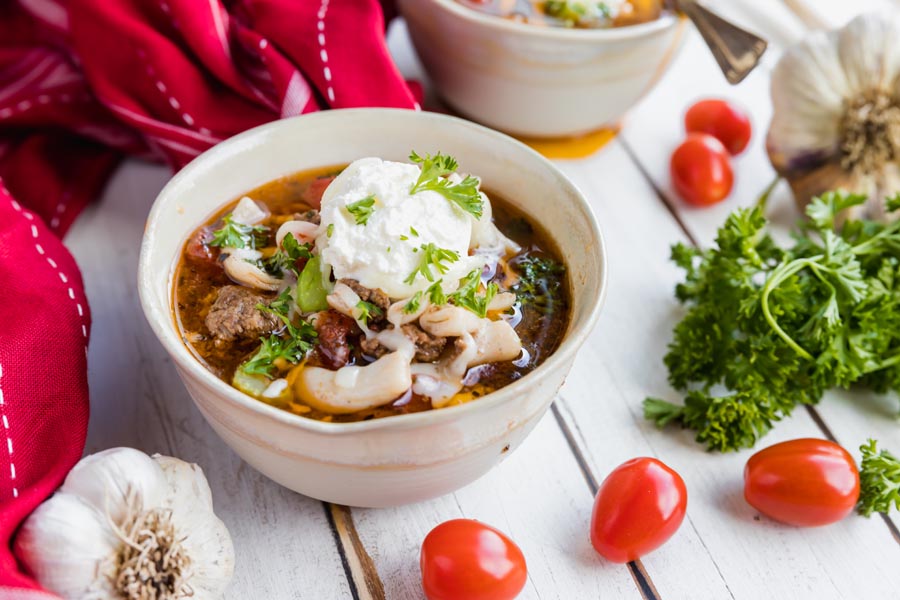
point(205, 537)
point(64, 543)
point(207, 541)
point(185, 481)
point(808, 92)
point(106, 479)
point(869, 50)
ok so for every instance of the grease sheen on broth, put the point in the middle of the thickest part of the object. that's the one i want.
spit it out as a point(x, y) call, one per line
point(197, 282)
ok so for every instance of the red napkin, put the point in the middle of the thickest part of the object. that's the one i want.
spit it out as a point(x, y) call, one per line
point(83, 82)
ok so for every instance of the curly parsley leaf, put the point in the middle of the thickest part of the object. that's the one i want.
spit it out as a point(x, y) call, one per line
point(285, 258)
point(879, 480)
point(772, 328)
point(432, 257)
point(413, 304)
point(436, 294)
point(278, 351)
point(467, 296)
point(280, 306)
point(435, 170)
point(362, 209)
point(237, 235)
point(367, 310)
point(540, 280)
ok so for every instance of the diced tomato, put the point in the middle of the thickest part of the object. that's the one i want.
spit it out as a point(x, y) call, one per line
point(313, 194)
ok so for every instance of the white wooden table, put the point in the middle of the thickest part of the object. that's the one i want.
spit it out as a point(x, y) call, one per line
point(290, 546)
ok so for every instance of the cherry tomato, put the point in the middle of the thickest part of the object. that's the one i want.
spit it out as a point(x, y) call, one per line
point(467, 559)
point(701, 170)
point(722, 120)
point(806, 482)
point(639, 506)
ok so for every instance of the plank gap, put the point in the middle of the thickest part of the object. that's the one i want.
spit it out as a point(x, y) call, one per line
point(895, 533)
point(656, 190)
point(638, 573)
point(643, 581)
point(569, 435)
point(365, 584)
point(820, 423)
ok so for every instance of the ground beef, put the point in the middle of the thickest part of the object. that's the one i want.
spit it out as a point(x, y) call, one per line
point(428, 347)
point(376, 297)
point(310, 216)
point(336, 331)
point(234, 315)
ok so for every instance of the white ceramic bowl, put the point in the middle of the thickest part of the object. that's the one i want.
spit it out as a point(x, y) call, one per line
point(538, 81)
point(396, 460)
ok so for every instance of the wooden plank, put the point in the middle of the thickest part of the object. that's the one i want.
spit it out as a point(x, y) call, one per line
point(538, 497)
point(284, 544)
point(852, 417)
point(622, 363)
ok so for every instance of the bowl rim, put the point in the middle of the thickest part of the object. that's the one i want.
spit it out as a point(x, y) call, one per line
point(163, 325)
point(666, 20)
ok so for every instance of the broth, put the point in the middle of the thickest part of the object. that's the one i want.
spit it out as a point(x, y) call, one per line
point(540, 323)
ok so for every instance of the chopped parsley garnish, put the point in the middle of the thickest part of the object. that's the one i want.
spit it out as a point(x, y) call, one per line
point(435, 168)
point(436, 293)
point(413, 304)
point(362, 209)
point(281, 305)
point(285, 259)
point(432, 256)
point(329, 231)
point(367, 310)
point(413, 232)
point(573, 12)
point(290, 347)
point(467, 295)
point(540, 279)
point(403, 238)
point(237, 235)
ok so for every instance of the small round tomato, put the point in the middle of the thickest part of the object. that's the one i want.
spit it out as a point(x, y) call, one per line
point(701, 170)
point(639, 506)
point(467, 559)
point(806, 482)
point(722, 120)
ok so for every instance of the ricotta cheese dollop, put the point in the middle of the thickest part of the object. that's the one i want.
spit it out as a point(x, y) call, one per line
point(384, 251)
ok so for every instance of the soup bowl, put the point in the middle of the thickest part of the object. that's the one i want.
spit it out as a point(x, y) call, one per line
point(399, 459)
point(538, 81)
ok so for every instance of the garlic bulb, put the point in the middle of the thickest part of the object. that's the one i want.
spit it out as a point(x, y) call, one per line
point(836, 119)
point(127, 526)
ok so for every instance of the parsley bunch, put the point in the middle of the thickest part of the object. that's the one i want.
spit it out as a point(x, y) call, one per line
point(770, 328)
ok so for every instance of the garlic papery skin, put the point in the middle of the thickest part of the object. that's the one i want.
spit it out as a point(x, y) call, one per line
point(836, 113)
point(127, 526)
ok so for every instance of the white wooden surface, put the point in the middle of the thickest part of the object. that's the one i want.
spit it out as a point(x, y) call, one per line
point(290, 546)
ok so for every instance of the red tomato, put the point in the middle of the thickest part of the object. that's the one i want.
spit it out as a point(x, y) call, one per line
point(467, 559)
point(806, 482)
point(722, 120)
point(701, 170)
point(638, 508)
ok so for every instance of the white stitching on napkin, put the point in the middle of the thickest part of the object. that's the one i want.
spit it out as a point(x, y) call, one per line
point(323, 54)
point(9, 444)
point(40, 250)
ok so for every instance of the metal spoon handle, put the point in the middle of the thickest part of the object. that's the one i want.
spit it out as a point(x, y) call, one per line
point(736, 50)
